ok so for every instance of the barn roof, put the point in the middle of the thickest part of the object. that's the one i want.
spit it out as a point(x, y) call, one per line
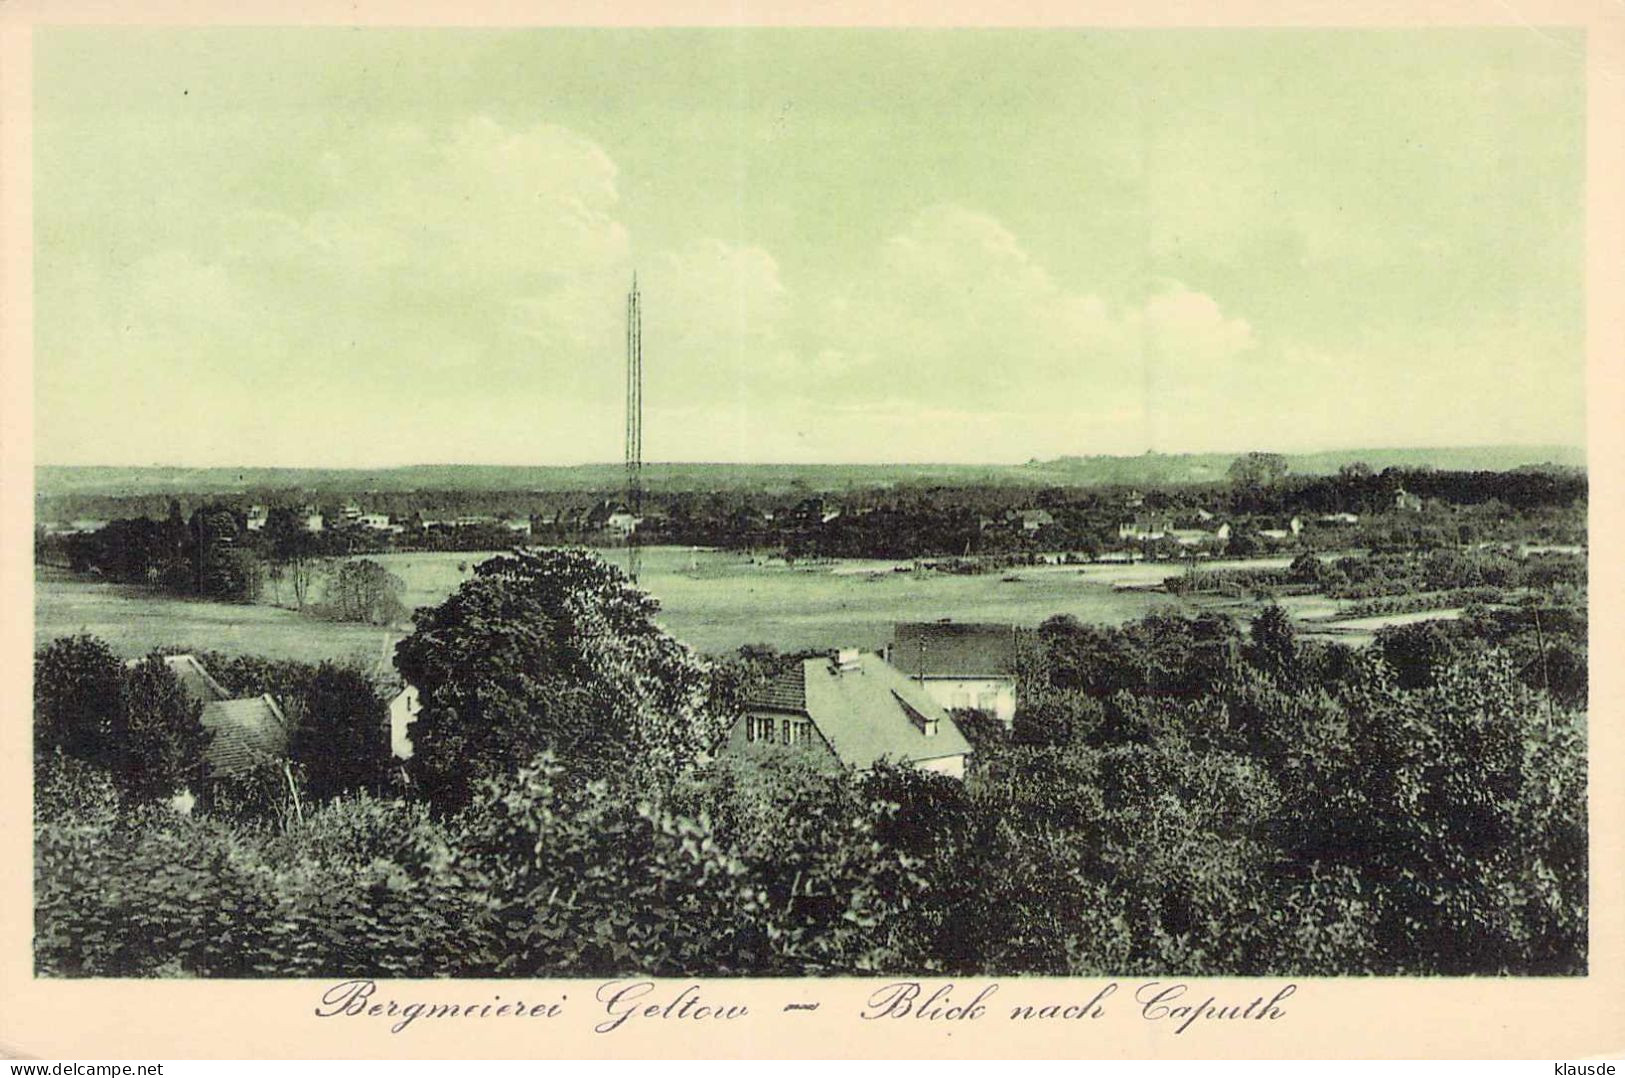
point(245, 732)
point(954, 649)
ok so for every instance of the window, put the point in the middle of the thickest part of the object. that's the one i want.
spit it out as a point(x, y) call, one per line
point(758, 728)
point(797, 732)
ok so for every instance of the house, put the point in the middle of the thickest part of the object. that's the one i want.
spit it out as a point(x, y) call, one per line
point(349, 514)
point(246, 732)
point(195, 679)
point(1339, 519)
point(403, 708)
point(964, 666)
point(1142, 529)
point(256, 517)
point(1030, 520)
point(853, 710)
point(622, 523)
point(312, 519)
point(518, 525)
point(378, 522)
point(1406, 502)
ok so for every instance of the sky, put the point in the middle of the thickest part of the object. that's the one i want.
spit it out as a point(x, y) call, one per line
point(363, 247)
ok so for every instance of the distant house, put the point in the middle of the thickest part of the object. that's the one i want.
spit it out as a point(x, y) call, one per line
point(1030, 520)
point(256, 517)
point(349, 514)
point(1406, 502)
point(853, 710)
point(313, 519)
point(376, 521)
point(622, 523)
point(518, 525)
point(966, 666)
point(1338, 519)
point(1142, 529)
point(403, 708)
point(245, 733)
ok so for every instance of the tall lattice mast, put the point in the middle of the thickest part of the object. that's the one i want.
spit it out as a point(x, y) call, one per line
point(634, 428)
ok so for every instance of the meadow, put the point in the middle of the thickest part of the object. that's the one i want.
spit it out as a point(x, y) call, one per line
point(712, 600)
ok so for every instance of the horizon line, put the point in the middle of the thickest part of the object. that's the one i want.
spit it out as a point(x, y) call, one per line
point(1455, 446)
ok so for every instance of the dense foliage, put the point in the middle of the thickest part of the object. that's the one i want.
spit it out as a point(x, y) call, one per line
point(1180, 796)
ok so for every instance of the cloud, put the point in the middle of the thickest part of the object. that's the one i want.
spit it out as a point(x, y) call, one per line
point(954, 315)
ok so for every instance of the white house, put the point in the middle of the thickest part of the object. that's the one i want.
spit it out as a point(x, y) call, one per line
point(403, 708)
point(963, 666)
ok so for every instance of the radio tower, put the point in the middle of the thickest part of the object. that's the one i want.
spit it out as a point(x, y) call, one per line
point(634, 429)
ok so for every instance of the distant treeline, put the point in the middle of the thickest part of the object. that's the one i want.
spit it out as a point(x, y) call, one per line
point(1451, 508)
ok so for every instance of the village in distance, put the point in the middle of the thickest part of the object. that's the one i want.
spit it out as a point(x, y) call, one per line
point(1210, 714)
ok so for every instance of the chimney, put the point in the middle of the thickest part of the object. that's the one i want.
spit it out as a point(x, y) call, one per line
point(848, 661)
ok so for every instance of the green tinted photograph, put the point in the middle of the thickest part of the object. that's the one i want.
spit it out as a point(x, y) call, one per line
point(793, 502)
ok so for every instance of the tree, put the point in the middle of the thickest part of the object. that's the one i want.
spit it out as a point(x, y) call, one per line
point(553, 651)
point(294, 550)
point(342, 741)
point(157, 742)
point(362, 590)
point(78, 689)
point(1254, 470)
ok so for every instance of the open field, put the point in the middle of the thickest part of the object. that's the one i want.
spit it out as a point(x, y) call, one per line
point(712, 600)
point(133, 621)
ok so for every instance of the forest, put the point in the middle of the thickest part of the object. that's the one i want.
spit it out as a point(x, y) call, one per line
point(1180, 795)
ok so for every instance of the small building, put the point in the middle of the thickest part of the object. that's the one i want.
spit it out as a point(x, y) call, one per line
point(853, 710)
point(312, 519)
point(1030, 520)
point(254, 520)
point(1144, 529)
point(518, 525)
point(622, 523)
point(1406, 502)
point(1341, 520)
point(403, 708)
point(963, 666)
point(378, 522)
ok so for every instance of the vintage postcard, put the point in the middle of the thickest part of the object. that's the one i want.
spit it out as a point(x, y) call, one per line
point(811, 531)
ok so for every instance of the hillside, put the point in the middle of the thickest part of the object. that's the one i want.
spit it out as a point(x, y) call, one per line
point(1147, 470)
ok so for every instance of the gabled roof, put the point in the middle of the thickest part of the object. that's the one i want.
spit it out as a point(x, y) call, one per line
point(193, 676)
point(245, 731)
point(954, 649)
point(867, 715)
point(786, 692)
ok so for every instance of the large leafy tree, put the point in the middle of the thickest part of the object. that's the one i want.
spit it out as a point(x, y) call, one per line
point(158, 743)
point(78, 683)
point(554, 651)
point(342, 740)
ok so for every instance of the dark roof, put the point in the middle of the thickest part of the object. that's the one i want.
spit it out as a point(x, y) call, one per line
point(786, 692)
point(245, 731)
point(865, 714)
point(954, 649)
